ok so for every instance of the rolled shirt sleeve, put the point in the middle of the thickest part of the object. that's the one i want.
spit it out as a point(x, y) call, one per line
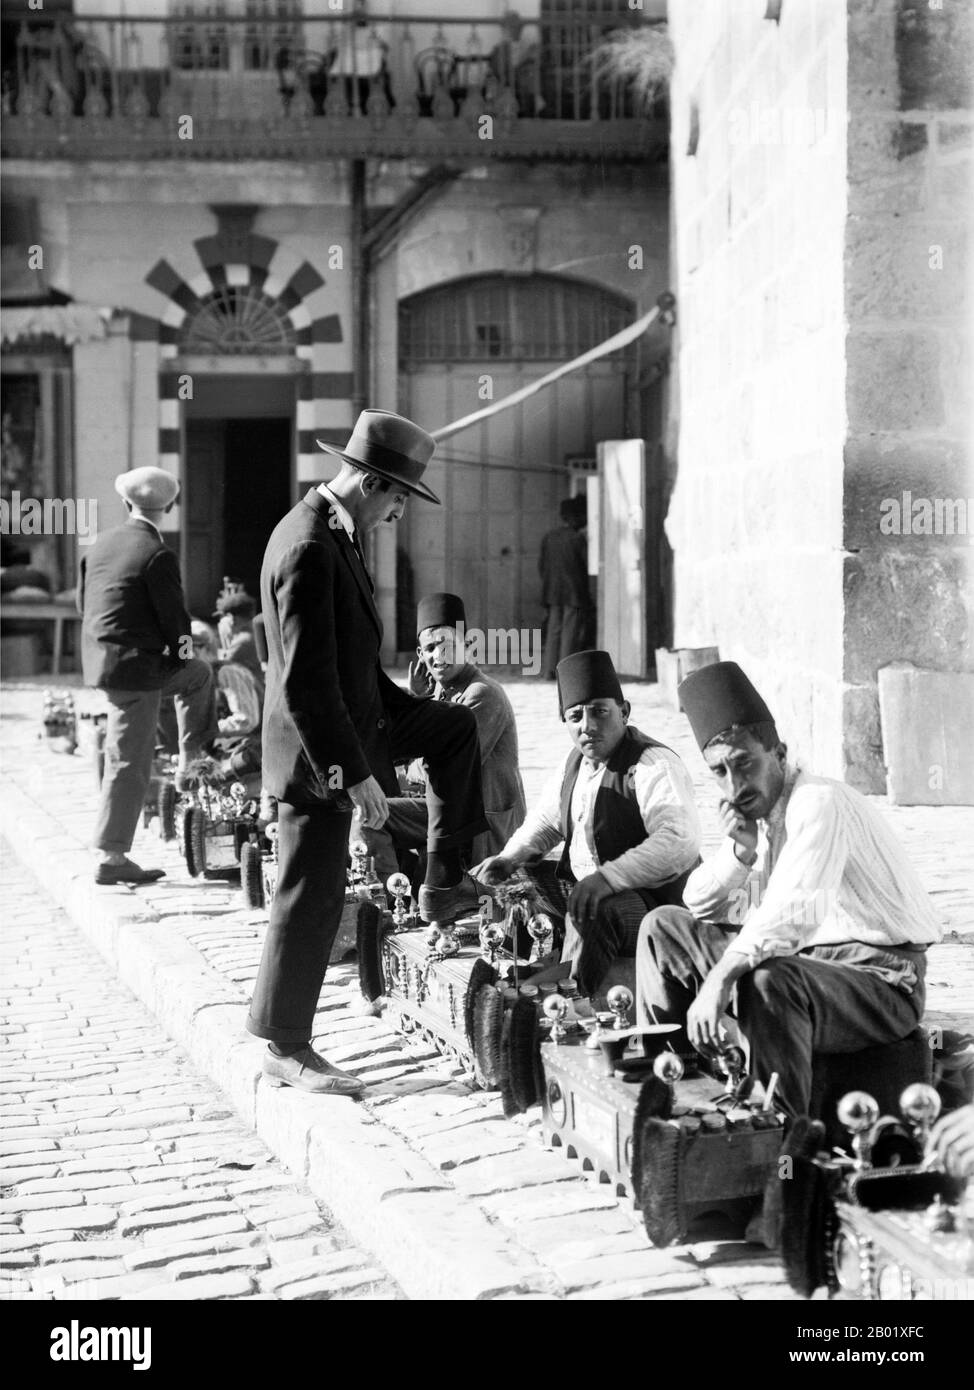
point(541, 830)
point(802, 891)
point(242, 698)
point(716, 891)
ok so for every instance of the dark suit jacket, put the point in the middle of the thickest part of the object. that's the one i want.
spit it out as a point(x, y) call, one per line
point(563, 566)
point(131, 600)
point(327, 702)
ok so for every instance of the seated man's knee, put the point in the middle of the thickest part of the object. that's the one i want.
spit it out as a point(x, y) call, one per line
point(662, 924)
point(764, 988)
point(456, 727)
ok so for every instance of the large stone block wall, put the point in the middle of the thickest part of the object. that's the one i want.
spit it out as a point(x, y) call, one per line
point(759, 219)
point(908, 496)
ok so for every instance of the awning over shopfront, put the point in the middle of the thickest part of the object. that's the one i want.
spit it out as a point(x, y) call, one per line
point(69, 324)
point(662, 311)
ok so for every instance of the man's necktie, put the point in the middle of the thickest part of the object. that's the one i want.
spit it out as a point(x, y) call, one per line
point(357, 545)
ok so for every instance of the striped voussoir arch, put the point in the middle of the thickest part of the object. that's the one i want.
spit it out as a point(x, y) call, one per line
point(277, 307)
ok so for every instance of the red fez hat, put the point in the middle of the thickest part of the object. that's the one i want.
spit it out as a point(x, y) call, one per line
point(587, 676)
point(439, 610)
point(719, 696)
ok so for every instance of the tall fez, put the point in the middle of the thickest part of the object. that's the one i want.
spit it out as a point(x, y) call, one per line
point(587, 676)
point(439, 610)
point(719, 696)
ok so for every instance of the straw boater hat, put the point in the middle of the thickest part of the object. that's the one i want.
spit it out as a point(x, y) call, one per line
point(152, 489)
point(719, 696)
point(391, 446)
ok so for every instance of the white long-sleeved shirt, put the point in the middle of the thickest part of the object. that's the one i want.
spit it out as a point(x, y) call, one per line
point(243, 699)
point(664, 794)
point(828, 869)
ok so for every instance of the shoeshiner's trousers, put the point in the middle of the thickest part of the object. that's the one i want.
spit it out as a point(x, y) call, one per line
point(828, 999)
point(312, 850)
point(130, 740)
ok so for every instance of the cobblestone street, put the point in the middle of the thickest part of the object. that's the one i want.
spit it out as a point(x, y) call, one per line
point(454, 1201)
point(125, 1175)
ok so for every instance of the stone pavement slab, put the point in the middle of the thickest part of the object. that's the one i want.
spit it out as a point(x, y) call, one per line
point(444, 1229)
point(77, 1239)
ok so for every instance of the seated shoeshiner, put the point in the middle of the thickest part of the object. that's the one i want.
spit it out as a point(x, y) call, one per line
point(239, 703)
point(235, 611)
point(808, 911)
point(442, 672)
point(240, 699)
point(622, 805)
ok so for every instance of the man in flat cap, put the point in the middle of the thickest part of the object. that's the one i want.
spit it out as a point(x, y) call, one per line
point(622, 805)
point(136, 645)
point(443, 672)
point(808, 908)
point(334, 727)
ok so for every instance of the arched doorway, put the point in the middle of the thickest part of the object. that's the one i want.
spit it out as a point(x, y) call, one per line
point(238, 348)
point(470, 341)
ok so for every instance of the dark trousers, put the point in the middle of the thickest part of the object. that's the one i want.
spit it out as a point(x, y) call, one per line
point(788, 1007)
point(406, 830)
point(564, 635)
point(130, 738)
point(312, 849)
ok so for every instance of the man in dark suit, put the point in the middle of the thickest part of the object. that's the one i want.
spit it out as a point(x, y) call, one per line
point(563, 566)
point(334, 727)
point(136, 646)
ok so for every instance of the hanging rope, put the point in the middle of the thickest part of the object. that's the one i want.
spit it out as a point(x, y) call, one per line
point(663, 310)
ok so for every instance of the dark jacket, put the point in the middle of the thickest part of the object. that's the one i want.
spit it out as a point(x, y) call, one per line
point(504, 804)
point(327, 700)
point(563, 566)
point(135, 623)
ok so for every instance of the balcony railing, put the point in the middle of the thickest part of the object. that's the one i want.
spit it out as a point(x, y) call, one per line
point(239, 86)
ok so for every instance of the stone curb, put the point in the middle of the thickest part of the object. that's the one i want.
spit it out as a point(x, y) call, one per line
point(388, 1197)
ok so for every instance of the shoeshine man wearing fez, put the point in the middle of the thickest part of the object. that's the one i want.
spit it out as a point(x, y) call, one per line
point(831, 957)
point(334, 726)
point(136, 646)
point(623, 806)
point(443, 673)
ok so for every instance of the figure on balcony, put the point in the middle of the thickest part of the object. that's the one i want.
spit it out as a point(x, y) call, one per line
point(361, 63)
point(513, 63)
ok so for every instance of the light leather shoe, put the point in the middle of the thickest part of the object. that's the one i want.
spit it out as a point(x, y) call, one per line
point(310, 1072)
point(445, 905)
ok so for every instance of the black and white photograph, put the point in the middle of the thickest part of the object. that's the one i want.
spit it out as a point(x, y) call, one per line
point(487, 660)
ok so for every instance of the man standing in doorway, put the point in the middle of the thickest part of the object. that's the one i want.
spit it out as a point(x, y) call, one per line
point(563, 566)
point(334, 727)
point(136, 646)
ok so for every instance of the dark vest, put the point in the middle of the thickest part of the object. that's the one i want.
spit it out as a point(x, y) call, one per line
point(617, 824)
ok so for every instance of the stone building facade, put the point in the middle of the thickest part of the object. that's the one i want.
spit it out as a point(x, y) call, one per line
point(234, 320)
point(822, 187)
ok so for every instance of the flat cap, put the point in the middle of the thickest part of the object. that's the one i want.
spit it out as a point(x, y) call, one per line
point(151, 488)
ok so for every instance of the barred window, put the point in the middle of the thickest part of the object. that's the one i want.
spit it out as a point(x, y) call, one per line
point(509, 317)
point(205, 42)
